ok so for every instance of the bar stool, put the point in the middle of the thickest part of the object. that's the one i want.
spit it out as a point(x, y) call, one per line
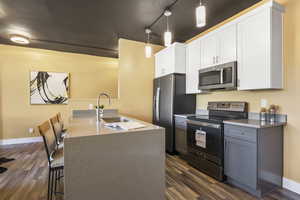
point(57, 129)
point(61, 122)
point(55, 158)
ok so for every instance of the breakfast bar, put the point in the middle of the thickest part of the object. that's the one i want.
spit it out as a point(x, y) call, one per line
point(108, 162)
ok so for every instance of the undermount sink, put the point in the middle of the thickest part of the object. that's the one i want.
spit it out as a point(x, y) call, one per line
point(112, 122)
point(121, 123)
point(115, 119)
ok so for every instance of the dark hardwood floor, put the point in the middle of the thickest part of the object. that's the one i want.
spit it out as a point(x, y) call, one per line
point(185, 182)
point(26, 179)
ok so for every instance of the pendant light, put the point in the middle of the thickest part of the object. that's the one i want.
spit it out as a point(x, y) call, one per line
point(168, 34)
point(148, 48)
point(201, 15)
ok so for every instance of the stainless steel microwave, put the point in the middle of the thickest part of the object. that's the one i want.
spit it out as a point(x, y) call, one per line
point(218, 77)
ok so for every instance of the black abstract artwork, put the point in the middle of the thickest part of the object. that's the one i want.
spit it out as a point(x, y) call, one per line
point(49, 87)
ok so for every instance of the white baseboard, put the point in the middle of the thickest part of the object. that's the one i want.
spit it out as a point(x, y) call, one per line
point(21, 140)
point(291, 185)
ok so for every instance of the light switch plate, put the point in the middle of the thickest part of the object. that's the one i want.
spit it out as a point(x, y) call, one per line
point(91, 106)
point(264, 103)
point(31, 130)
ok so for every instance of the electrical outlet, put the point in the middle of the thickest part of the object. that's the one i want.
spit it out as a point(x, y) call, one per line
point(31, 130)
point(264, 103)
point(91, 106)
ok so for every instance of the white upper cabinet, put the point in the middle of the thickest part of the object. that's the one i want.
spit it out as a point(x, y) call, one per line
point(193, 63)
point(162, 63)
point(170, 60)
point(209, 48)
point(260, 50)
point(219, 47)
point(227, 44)
point(216, 48)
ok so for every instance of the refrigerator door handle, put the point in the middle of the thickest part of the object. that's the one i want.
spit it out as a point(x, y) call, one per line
point(154, 106)
point(157, 103)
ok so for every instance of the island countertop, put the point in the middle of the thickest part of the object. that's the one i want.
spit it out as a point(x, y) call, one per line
point(88, 126)
point(98, 161)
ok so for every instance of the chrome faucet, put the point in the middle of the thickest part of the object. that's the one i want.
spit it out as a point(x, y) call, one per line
point(100, 110)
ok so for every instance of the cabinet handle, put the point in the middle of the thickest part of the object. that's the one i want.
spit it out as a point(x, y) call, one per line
point(214, 60)
point(221, 76)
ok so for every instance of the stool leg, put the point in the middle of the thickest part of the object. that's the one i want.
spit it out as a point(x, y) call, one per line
point(60, 177)
point(60, 174)
point(55, 181)
point(49, 182)
point(52, 183)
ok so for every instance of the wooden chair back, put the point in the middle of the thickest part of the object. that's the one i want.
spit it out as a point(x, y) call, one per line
point(49, 139)
point(56, 127)
point(60, 120)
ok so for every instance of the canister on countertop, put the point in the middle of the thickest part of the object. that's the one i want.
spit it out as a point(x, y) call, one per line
point(263, 114)
point(272, 113)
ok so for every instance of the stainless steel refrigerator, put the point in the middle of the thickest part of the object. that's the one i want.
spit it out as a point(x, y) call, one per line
point(169, 98)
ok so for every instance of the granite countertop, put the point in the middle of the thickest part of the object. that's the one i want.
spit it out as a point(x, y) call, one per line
point(88, 126)
point(251, 123)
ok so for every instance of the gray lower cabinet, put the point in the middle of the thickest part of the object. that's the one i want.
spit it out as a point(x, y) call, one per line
point(181, 136)
point(236, 166)
point(253, 158)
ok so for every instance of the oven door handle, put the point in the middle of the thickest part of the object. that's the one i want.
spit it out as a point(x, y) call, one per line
point(204, 124)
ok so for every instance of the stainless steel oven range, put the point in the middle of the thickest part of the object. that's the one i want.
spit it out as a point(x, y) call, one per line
point(205, 136)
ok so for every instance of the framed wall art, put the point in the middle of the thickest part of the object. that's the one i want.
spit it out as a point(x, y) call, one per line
point(49, 87)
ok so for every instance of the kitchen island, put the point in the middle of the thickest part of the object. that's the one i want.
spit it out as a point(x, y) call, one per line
point(113, 164)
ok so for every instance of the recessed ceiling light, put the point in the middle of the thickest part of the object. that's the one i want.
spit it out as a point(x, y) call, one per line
point(19, 39)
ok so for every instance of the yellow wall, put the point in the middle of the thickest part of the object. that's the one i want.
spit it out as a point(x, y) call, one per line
point(287, 99)
point(89, 75)
point(136, 75)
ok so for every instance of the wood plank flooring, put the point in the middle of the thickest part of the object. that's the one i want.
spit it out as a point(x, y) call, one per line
point(185, 182)
point(26, 179)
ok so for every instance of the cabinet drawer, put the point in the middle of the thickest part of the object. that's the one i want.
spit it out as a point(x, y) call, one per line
point(180, 125)
point(244, 133)
point(180, 122)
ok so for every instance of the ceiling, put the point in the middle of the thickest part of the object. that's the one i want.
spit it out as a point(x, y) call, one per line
point(93, 27)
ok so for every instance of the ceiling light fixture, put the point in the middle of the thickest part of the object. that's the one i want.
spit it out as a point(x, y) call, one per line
point(168, 34)
point(19, 39)
point(148, 48)
point(200, 15)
